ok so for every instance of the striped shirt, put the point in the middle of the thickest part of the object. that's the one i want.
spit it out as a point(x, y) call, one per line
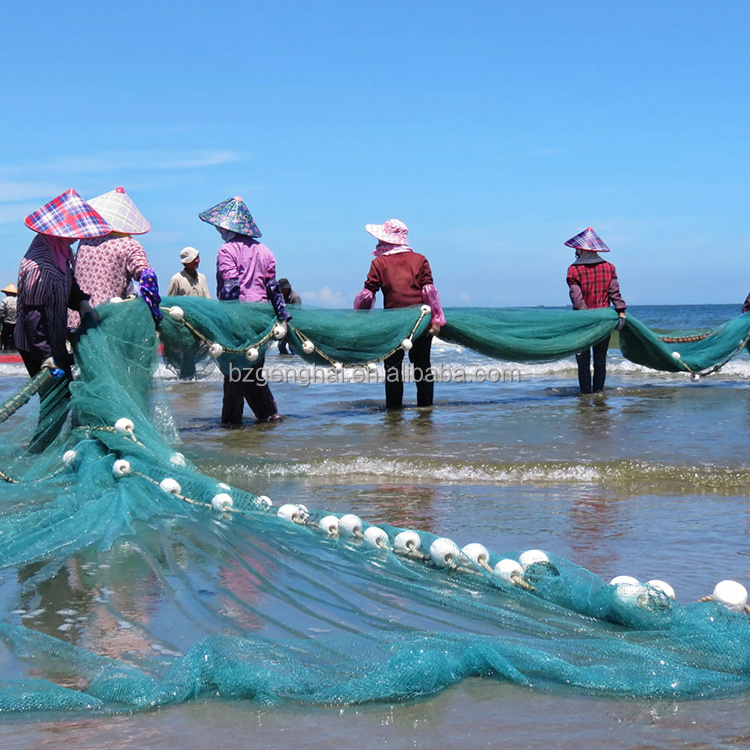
point(43, 285)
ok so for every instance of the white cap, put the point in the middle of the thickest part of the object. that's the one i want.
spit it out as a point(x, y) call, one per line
point(188, 255)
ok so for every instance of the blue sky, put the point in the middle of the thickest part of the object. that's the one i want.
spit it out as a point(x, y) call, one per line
point(494, 130)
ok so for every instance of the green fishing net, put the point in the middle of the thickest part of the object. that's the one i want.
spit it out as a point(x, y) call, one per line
point(178, 586)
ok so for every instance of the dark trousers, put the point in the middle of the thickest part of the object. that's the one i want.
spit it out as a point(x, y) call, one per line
point(419, 356)
point(247, 385)
point(600, 367)
point(54, 400)
point(6, 336)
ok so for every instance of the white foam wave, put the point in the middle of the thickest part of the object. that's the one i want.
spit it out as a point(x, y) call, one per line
point(375, 469)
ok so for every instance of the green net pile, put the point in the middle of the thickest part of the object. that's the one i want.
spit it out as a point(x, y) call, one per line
point(192, 588)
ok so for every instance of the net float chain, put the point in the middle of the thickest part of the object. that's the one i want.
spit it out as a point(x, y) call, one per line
point(445, 553)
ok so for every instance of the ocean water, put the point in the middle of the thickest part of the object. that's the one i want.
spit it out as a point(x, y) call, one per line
point(648, 479)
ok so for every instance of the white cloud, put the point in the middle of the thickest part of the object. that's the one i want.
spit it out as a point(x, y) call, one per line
point(326, 297)
point(128, 160)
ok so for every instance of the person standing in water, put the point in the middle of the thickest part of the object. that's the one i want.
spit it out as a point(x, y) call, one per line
point(405, 278)
point(245, 271)
point(592, 283)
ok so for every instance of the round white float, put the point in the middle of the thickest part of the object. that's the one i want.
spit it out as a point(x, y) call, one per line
point(407, 541)
point(350, 525)
point(507, 569)
point(376, 537)
point(121, 468)
point(731, 594)
point(125, 425)
point(329, 524)
point(532, 556)
point(172, 486)
point(662, 586)
point(221, 502)
point(477, 553)
point(443, 552)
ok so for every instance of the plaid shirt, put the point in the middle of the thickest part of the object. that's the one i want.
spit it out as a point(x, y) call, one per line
point(593, 286)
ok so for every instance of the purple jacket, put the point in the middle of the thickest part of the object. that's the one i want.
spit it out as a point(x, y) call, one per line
point(246, 270)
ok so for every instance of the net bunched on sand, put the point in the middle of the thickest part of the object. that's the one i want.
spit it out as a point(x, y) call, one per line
point(132, 580)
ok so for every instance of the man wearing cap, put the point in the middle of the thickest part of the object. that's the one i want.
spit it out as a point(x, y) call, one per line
point(105, 267)
point(405, 279)
point(189, 282)
point(592, 283)
point(8, 316)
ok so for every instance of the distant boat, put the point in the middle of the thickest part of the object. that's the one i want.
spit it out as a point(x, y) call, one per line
point(10, 359)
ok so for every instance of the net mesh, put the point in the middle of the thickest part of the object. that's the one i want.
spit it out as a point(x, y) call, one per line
point(164, 585)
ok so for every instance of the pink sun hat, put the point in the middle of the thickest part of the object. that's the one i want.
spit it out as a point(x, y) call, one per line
point(68, 216)
point(392, 231)
point(589, 240)
point(120, 212)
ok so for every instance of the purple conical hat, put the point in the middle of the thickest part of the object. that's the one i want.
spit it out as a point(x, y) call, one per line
point(68, 216)
point(232, 214)
point(589, 240)
point(120, 212)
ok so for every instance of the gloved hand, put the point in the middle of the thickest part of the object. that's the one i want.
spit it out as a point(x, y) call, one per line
point(51, 365)
point(88, 311)
point(433, 330)
point(621, 322)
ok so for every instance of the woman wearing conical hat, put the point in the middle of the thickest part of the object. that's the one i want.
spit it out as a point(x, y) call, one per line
point(593, 283)
point(245, 271)
point(405, 278)
point(46, 289)
point(106, 267)
point(8, 316)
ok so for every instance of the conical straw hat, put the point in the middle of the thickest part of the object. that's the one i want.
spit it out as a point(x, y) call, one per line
point(68, 216)
point(232, 214)
point(589, 240)
point(120, 212)
point(10, 289)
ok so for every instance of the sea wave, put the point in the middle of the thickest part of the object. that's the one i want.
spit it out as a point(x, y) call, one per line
point(639, 475)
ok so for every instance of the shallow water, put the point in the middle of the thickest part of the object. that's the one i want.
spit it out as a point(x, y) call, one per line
point(648, 479)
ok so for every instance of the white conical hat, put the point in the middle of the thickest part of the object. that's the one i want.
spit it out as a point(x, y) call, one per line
point(120, 212)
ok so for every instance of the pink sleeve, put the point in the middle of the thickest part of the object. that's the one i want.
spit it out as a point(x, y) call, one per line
point(226, 264)
point(136, 259)
point(364, 300)
point(430, 297)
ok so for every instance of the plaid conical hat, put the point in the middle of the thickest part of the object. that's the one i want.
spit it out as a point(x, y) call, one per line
point(68, 216)
point(120, 212)
point(589, 240)
point(232, 214)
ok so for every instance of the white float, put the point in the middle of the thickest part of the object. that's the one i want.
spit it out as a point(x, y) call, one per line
point(222, 502)
point(374, 536)
point(172, 486)
point(350, 525)
point(121, 468)
point(443, 552)
point(731, 594)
